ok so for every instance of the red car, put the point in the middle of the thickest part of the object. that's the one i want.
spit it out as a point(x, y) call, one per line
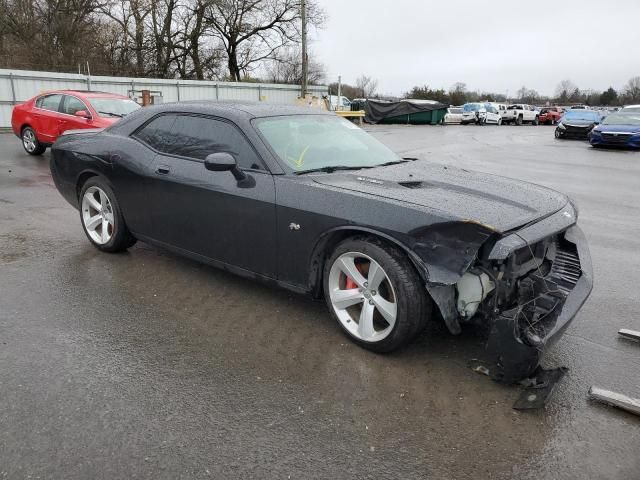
point(39, 121)
point(550, 115)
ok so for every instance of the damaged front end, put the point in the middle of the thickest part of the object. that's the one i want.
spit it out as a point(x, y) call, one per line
point(525, 287)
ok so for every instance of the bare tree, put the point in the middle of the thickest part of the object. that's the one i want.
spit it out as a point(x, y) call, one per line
point(130, 17)
point(161, 38)
point(564, 90)
point(56, 33)
point(458, 93)
point(253, 31)
point(527, 95)
point(286, 67)
point(632, 90)
point(367, 86)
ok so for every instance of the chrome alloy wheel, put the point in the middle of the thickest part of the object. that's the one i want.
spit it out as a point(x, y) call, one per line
point(362, 296)
point(97, 215)
point(29, 140)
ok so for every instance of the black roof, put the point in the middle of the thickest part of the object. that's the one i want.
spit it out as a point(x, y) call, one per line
point(235, 108)
point(240, 113)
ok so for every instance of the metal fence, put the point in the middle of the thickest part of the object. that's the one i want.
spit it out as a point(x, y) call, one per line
point(19, 85)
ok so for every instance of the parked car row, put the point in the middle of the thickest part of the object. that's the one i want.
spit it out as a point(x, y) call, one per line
point(481, 113)
point(619, 129)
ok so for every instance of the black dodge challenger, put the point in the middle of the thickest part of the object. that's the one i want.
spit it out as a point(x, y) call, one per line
point(310, 202)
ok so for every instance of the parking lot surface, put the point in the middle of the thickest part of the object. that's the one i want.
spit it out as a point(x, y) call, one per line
point(148, 365)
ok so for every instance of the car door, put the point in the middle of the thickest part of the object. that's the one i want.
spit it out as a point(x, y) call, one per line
point(47, 117)
point(211, 213)
point(492, 114)
point(69, 120)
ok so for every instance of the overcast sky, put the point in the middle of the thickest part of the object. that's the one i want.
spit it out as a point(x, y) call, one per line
point(491, 45)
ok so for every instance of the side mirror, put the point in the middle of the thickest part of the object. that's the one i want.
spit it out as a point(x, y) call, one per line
point(224, 162)
point(83, 114)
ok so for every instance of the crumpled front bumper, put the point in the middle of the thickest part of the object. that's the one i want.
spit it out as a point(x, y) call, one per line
point(515, 352)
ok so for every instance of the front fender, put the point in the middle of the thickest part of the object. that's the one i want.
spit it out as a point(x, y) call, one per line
point(328, 239)
point(448, 249)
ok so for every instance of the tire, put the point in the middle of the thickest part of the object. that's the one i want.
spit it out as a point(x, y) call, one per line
point(519, 120)
point(102, 219)
point(30, 142)
point(556, 133)
point(499, 122)
point(536, 121)
point(396, 285)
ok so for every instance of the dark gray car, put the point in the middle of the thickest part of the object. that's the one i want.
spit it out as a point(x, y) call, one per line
point(308, 201)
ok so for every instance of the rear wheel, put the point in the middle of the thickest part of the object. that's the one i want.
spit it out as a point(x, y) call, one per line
point(102, 218)
point(375, 294)
point(519, 120)
point(536, 121)
point(30, 142)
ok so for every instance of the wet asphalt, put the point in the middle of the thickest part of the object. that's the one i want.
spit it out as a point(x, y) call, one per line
point(148, 365)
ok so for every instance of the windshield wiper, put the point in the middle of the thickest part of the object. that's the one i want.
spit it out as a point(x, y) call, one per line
point(119, 115)
point(330, 169)
point(395, 162)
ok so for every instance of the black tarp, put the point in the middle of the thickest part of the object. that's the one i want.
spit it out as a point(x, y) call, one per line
point(376, 111)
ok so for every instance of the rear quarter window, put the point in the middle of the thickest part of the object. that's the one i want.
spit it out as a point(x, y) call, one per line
point(49, 102)
point(157, 133)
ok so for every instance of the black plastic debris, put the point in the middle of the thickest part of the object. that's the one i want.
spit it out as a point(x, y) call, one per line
point(539, 388)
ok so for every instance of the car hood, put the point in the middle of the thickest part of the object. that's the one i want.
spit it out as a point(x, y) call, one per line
point(499, 203)
point(619, 128)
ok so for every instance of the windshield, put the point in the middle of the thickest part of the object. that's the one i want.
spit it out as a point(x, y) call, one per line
point(581, 115)
point(471, 107)
point(306, 142)
point(623, 119)
point(113, 107)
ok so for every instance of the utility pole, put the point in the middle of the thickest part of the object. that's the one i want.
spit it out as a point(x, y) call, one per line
point(305, 58)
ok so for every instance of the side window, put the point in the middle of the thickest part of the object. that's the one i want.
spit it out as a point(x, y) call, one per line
point(72, 105)
point(157, 133)
point(50, 102)
point(201, 136)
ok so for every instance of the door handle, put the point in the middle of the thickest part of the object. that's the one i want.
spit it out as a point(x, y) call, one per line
point(162, 170)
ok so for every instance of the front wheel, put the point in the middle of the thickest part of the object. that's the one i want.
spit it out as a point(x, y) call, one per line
point(375, 294)
point(499, 122)
point(102, 218)
point(30, 142)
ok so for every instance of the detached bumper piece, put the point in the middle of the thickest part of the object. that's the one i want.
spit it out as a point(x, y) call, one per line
point(629, 334)
point(615, 399)
point(546, 300)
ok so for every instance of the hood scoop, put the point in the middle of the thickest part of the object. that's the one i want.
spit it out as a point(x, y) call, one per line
point(413, 184)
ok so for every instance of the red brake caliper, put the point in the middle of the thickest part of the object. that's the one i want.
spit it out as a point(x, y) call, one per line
point(350, 284)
